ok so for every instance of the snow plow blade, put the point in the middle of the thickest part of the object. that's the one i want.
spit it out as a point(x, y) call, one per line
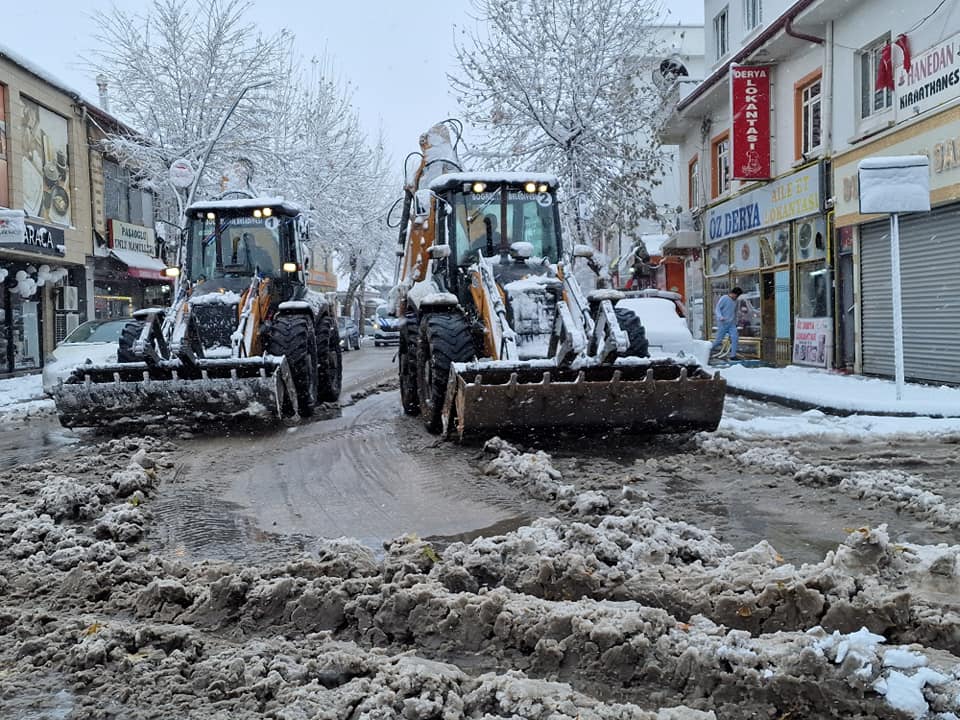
point(142, 394)
point(655, 396)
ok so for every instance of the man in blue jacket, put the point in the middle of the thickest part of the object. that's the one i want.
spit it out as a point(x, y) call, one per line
point(726, 315)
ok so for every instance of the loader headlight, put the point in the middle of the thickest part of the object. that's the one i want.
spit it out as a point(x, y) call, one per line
point(530, 188)
point(290, 267)
point(257, 213)
point(211, 216)
point(542, 187)
point(479, 187)
point(172, 272)
point(267, 212)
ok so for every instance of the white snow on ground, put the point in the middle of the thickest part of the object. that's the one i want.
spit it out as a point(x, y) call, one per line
point(845, 392)
point(23, 396)
point(815, 424)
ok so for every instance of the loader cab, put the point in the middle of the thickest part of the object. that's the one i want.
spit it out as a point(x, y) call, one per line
point(228, 243)
point(490, 214)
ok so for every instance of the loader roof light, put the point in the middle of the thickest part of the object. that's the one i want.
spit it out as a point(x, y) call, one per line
point(257, 213)
point(542, 187)
point(530, 187)
point(211, 216)
point(267, 212)
point(479, 187)
point(290, 267)
point(172, 272)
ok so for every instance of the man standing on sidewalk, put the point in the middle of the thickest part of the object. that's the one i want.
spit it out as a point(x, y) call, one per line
point(726, 315)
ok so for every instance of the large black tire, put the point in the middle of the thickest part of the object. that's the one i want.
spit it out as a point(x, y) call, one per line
point(631, 325)
point(128, 336)
point(294, 336)
point(330, 360)
point(444, 339)
point(407, 362)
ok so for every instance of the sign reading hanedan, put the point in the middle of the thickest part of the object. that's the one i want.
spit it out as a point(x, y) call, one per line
point(933, 79)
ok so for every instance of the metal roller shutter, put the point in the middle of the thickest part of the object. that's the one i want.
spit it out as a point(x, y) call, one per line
point(929, 245)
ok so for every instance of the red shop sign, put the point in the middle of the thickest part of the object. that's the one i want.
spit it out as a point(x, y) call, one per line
point(750, 134)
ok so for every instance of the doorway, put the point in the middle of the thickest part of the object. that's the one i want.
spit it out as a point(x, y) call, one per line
point(768, 311)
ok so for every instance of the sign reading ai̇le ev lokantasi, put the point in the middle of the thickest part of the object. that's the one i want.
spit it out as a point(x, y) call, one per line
point(750, 132)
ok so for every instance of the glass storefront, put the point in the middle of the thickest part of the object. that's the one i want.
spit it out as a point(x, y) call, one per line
point(21, 331)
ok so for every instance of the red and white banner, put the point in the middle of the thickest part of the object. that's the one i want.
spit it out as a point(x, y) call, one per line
point(750, 131)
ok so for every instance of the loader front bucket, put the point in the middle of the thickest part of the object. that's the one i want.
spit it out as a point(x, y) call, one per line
point(657, 395)
point(142, 394)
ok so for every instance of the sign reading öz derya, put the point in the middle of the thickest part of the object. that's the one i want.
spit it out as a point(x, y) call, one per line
point(790, 197)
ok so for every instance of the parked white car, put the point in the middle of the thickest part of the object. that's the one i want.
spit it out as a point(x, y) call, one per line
point(95, 341)
point(667, 331)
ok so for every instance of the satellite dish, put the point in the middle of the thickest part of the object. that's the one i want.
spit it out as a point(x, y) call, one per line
point(670, 69)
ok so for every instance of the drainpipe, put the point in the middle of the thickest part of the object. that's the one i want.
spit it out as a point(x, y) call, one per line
point(788, 29)
point(827, 86)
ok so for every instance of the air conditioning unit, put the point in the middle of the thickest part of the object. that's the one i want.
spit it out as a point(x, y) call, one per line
point(68, 299)
point(73, 320)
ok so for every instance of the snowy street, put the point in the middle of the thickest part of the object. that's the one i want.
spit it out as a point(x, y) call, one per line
point(737, 559)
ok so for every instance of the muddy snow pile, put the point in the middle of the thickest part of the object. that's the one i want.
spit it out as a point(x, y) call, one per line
point(607, 610)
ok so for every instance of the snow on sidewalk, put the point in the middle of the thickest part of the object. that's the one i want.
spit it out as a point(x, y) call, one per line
point(23, 396)
point(844, 394)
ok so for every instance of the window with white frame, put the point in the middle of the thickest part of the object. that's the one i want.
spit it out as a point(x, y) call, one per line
point(721, 37)
point(810, 121)
point(721, 166)
point(873, 101)
point(752, 14)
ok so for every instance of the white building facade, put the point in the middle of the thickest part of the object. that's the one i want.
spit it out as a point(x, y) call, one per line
point(790, 235)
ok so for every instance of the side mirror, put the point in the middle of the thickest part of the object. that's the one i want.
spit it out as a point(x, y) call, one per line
point(421, 203)
point(438, 252)
point(583, 251)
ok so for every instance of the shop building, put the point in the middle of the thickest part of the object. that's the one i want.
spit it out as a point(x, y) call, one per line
point(45, 223)
point(129, 256)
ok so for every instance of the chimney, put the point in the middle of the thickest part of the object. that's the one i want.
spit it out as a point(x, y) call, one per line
point(102, 87)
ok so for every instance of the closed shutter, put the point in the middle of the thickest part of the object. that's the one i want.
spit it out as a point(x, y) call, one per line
point(930, 284)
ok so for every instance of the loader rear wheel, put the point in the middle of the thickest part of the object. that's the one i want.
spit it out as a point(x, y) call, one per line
point(444, 339)
point(631, 325)
point(330, 361)
point(407, 360)
point(128, 336)
point(293, 336)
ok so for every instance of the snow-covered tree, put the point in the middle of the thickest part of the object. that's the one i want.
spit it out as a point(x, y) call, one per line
point(174, 71)
point(555, 86)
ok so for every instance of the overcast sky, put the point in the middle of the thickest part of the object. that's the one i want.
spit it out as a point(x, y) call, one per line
point(395, 54)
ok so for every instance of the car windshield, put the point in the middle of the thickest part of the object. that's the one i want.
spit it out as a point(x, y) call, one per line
point(479, 222)
point(235, 246)
point(96, 332)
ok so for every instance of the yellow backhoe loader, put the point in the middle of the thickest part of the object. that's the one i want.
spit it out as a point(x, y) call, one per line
point(496, 332)
point(244, 337)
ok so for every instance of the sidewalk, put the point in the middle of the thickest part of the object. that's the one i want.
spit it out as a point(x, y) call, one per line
point(22, 397)
point(839, 394)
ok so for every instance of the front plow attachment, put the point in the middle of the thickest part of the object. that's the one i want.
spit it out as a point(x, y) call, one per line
point(140, 394)
point(651, 396)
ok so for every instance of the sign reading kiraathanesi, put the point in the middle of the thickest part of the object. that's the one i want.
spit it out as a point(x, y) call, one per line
point(750, 128)
point(933, 79)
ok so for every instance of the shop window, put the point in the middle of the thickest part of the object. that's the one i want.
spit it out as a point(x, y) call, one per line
point(873, 101)
point(812, 290)
point(122, 199)
point(693, 182)
point(752, 14)
point(808, 99)
point(721, 164)
point(748, 306)
point(721, 33)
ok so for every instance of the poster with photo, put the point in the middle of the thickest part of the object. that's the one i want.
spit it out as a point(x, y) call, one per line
point(46, 169)
point(718, 259)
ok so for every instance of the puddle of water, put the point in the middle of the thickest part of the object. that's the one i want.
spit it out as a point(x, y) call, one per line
point(21, 446)
point(39, 702)
point(498, 528)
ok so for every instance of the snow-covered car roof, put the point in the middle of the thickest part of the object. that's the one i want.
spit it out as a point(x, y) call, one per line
point(443, 182)
point(247, 204)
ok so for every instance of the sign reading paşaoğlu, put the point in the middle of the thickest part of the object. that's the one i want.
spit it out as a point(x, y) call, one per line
point(750, 131)
point(788, 198)
point(124, 236)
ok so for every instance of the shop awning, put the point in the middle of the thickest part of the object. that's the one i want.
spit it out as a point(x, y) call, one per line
point(140, 265)
point(683, 240)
